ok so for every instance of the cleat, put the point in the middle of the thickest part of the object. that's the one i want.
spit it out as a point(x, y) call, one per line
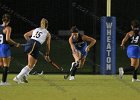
point(17, 80)
point(24, 79)
point(71, 78)
point(4, 84)
point(135, 80)
point(41, 73)
point(121, 72)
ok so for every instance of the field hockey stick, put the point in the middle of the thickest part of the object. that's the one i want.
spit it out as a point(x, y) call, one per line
point(51, 62)
point(69, 72)
point(24, 44)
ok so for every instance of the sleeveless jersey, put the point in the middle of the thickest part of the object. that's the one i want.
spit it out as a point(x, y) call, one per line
point(79, 43)
point(39, 35)
point(135, 39)
point(2, 36)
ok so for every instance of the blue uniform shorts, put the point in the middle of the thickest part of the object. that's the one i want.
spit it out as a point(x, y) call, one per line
point(133, 51)
point(5, 50)
point(32, 48)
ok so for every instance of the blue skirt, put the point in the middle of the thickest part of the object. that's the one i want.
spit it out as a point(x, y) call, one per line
point(133, 51)
point(82, 50)
point(5, 50)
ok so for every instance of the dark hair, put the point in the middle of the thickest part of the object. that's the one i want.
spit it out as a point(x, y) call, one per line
point(6, 18)
point(74, 29)
point(135, 23)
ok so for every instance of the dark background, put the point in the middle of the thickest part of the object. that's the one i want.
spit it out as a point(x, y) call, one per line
point(62, 14)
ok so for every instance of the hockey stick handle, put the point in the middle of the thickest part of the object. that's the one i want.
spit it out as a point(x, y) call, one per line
point(25, 44)
point(51, 62)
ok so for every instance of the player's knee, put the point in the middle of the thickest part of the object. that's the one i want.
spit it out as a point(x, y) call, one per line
point(1, 64)
point(31, 66)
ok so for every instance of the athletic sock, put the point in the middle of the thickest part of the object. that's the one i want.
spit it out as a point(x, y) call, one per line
point(135, 73)
point(73, 71)
point(5, 73)
point(129, 69)
point(74, 68)
point(27, 74)
point(24, 72)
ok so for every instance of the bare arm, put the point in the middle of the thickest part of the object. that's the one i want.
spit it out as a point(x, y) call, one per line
point(125, 39)
point(89, 39)
point(7, 31)
point(27, 35)
point(71, 45)
point(48, 43)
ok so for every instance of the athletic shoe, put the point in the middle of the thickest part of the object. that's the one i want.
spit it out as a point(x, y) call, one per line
point(121, 72)
point(71, 78)
point(17, 80)
point(25, 79)
point(135, 80)
point(4, 84)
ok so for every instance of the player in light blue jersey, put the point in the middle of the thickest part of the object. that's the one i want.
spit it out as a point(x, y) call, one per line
point(80, 47)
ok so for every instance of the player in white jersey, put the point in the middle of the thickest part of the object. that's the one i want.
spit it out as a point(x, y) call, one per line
point(38, 37)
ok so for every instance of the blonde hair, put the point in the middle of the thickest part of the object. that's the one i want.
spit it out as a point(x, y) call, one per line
point(44, 22)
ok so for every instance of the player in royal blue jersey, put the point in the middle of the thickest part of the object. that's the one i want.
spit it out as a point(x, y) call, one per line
point(5, 52)
point(80, 47)
point(133, 49)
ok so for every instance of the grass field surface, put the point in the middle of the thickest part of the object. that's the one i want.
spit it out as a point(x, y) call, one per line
point(85, 87)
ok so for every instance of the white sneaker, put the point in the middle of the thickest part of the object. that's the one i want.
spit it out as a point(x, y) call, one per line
point(4, 84)
point(71, 78)
point(121, 72)
point(17, 80)
point(135, 80)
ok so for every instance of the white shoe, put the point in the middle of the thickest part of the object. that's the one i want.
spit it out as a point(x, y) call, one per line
point(121, 72)
point(17, 80)
point(71, 78)
point(4, 84)
point(135, 80)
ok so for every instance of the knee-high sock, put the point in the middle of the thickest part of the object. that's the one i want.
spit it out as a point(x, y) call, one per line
point(5, 73)
point(129, 69)
point(24, 72)
point(27, 74)
point(135, 73)
point(73, 71)
point(74, 68)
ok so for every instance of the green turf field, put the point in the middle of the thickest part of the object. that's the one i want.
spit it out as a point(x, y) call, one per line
point(85, 87)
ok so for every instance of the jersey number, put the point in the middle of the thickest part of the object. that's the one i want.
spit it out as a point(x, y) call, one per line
point(38, 34)
point(1, 38)
point(135, 40)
